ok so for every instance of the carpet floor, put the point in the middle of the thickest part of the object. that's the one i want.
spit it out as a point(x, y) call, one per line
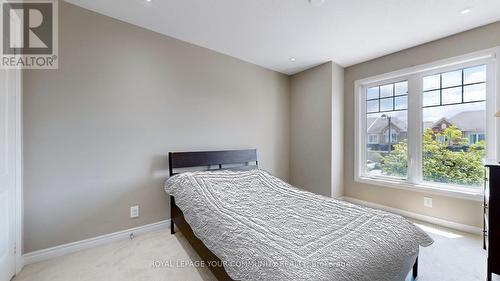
point(158, 256)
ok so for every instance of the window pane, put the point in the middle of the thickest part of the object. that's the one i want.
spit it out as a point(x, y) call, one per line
point(453, 144)
point(476, 92)
point(451, 79)
point(432, 82)
point(475, 74)
point(481, 137)
point(372, 93)
point(431, 98)
point(386, 91)
point(372, 106)
point(372, 139)
point(401, 102)
point(386, 104)
point(401, 88)
point(383, 157)
point(452, 95)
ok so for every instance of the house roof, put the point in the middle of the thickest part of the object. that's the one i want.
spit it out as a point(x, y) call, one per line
point(379, 125)
point(428, 124)
point(440, 122)
point(468, 121)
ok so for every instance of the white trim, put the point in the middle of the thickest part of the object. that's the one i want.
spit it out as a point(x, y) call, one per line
point(415, 122)
point(19, 170)
point(414, 181)
point(449, 62)
point(443, 190)
point(358, 130)
point(424, 218)
point(61, 250)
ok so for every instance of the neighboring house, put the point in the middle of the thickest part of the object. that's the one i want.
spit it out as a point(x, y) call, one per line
point(378, 133)
point(471, 123)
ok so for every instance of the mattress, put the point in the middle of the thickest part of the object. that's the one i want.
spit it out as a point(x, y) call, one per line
point(262, 228)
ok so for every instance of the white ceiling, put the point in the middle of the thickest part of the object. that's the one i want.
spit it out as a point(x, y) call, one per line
point(269, 32)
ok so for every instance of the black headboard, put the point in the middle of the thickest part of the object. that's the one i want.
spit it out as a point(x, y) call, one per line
point(247, 157)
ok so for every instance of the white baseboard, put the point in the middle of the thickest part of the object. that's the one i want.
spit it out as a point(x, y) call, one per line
point(61, 250)
point(408, 214)
point(19, 263)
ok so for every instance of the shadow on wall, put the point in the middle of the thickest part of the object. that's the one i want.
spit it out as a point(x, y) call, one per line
point(159, 167)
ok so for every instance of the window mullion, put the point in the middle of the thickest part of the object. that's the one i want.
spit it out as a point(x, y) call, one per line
point(414, 129)
point(493, 102)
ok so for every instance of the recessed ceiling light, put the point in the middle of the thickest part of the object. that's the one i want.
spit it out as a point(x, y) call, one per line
point(465, 11)
point(148, 0)
point(293, 59)
point(316, 3)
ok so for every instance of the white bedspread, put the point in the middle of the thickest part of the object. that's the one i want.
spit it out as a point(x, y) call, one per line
point(265, 229)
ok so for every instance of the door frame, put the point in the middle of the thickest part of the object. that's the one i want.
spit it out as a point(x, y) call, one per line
point(16, 76)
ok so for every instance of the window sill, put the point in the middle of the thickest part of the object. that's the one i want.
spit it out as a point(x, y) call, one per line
point(442, 190)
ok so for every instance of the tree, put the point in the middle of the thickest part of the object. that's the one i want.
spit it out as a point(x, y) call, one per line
point(452, 135)
point(461, 165)
point(395, 163)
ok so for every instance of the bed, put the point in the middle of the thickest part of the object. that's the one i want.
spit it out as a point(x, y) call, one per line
point(248, 225)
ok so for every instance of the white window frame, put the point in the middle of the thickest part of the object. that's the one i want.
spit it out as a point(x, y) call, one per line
point(414, 76)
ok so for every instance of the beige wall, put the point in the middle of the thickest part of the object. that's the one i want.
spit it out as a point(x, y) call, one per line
point(316, 98)
point(97, 130)
point(457, 210)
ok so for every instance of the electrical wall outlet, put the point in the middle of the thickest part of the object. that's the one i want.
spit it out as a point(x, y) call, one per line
point(134, 212)
point(428, 202)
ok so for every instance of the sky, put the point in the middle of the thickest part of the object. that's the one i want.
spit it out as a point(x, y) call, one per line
point(453, 79)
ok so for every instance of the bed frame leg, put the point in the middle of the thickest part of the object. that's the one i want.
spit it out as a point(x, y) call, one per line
point(415, 269)
point(172, 204)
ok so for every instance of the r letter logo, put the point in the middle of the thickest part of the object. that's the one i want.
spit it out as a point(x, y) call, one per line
point(29, 34)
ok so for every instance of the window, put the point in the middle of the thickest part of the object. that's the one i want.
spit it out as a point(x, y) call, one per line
point(394, 135)
point(427, 127)
point(475, 138)
point(386, 115)
point(441, 139)
point(373, 139)
point(453, 120)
